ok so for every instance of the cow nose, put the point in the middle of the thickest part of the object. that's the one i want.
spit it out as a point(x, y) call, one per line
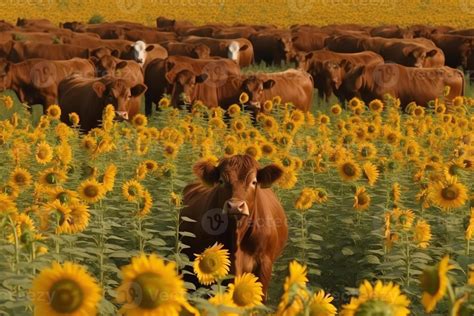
point(122, 115)
point(235, 207)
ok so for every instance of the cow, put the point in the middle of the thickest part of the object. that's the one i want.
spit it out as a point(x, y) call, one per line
point(457, 49)
point(239, 50)
point(89, 96)
point(149, 36)
point(235, 32)
point(251, 222)
point(272, 47)
point(36, 81)
point(216, 70)
point(187, 49)
point(391, 31)
point(465, 32)
point(328, 68)
point(171, 25)
point(37, 37)
point(409, 84)
point(143, 53)
point(420, 30)
point(129, 71)
point(5, 26)
point(308, 41)
point(22, 51)
point(35, 23)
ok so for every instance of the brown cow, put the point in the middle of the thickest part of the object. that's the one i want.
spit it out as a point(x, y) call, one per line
point(35, 23)
point(169, 25)
point(89, 96)
point(22, 51)
point(5, 26)
point(391, 31)
point(149, 36)
point(239, 50)
point(272, 47)
point(308, 41)
point(251, 222)
point(465, 32)
point(187, 49)
point(37, 37)
point(420, 85)
point(457, 49)
point(36, 81)
point(129, 71)
point(328, 68)
point(420, 30)
point(235, 32)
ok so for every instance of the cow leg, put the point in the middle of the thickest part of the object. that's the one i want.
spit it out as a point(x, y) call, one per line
point(264, 273)
point(148, 105)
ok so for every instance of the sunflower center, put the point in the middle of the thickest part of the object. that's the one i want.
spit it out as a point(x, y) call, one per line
point(20, 178)
point(209, 264)
point(349, 169)
point(375, 308)
point(430, 281)
point(450, 193)
point(242, 296)
point(153, 291)
point(62, 197)
point(51, 178)
point(91, 191)
point(251, 152)
point(363, 199)
point(66, 296)
point(43, 153)
point(365, 152)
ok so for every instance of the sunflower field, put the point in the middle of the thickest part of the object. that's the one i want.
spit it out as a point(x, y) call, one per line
point(379, 205)
point(456, 13)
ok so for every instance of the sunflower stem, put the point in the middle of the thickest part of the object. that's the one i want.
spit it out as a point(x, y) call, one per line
point(452, 296)
point(17, 246)
point(407, 261)
point(303, 237)
point(468, 243)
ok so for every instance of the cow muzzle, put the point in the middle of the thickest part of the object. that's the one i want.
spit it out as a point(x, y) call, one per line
point(236, 208)
point(122, 115)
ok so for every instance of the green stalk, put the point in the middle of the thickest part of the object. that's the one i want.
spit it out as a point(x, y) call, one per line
point(407, 260)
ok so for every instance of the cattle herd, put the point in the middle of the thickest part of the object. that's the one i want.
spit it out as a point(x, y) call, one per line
point(84, 67)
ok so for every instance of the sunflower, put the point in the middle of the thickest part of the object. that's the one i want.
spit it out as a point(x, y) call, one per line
point(54, 112)
point(151, 286)
point(268, 149)
point(246, 291)
point(354, 103)
point(381, 299)
point(139, 120)
point(395, 192)
point(233, 110)
point(108, 180)
point(276, 100)
point(164, 102)
point(449, 194)
point(20, 177)
point(295, 292)
point(434, 281)
point(253, 151)
point(91, 191)
point(70, 291)
point(77, 219)
point(470, 226)
point(25, 229)
point(244, 98)
point(418, 111)
point(238, 125)
point(320, 305)
point(270, 124)
point(176, 199)
point(7, 101)
point(376, 106)
point(89, 143)
point(74, 119)
point(146, 203)
point(64, 153)
point(52, 176)
point(361, 199)
point(367, 151)
point(217, 123)
point(10, 189)
point(297, 116)
point(7, 205)
point(336, 109)
point(268, 106)
point(62, 195)
point(404, 218)
point(306, 199)
point(132, 190)
point(349, 170)
point(150, 165)
point(371, 173)
point(230, 149)
point(44, 153)
point(212, 264)
point(170, 150)
point(321, 196)
point(422, 234)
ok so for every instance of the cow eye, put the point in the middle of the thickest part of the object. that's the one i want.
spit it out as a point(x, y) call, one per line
point(254, 182)
point(221, 181)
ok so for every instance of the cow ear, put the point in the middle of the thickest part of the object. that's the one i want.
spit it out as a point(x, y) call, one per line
point(169, 65)
point(343, 63)
point(243, 47)
point(201, 78)
point(138, 90)
point(115, 53)
point(268, 84)
point(99, 88)
point(121, 65)
point(268, 175)
point(359, 70)
point(94, 60)
point(431, 53)
point(309, 56)
point(206, 172)
point(149, 48)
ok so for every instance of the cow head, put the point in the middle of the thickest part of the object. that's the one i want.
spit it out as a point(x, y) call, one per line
point(201, 51)
point(286, 47)
point(139, 51)
point(333, 71)
point(103, 51)
point(466, 54)
point(118, 93)
point(353, 80)
point(5, 78)
point(236, 180)
point(416, 55)
point(183, 85)
point(107, 65)
point(234, 50)
point(254, 88)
